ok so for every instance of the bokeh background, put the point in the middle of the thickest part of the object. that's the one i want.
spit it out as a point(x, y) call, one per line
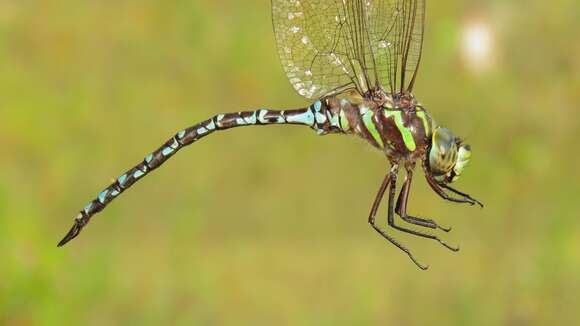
point(267, 226)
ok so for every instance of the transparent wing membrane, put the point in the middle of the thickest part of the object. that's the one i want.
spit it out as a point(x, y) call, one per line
point(326, 45)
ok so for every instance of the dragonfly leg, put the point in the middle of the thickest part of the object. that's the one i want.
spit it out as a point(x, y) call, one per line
point(439, 191)
point(386, 182)
point(391, 217)
point(401, 208)
point(462, 194)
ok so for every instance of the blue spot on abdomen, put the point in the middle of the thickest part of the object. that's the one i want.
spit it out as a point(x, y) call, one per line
point(122, 179)
point(103, 195)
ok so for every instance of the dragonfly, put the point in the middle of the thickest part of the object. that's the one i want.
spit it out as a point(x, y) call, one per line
point(357, 61)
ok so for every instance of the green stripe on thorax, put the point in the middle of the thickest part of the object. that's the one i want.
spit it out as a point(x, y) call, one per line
point(426, 124)
point(405, 132)
point(368, 120)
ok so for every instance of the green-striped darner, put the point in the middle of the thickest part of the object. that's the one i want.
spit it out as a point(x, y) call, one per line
point(359, 60)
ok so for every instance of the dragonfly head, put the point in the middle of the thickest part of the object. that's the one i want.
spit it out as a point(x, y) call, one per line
point(448, 156)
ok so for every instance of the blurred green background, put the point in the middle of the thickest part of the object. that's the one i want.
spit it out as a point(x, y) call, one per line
point(267, 226)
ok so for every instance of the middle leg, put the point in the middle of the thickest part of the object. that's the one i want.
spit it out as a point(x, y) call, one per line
point(401, 208)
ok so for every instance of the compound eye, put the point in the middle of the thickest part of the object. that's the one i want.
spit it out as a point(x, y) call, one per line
point(443, 151)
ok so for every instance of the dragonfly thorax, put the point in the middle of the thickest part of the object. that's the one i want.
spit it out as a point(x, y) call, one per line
point(396, 125)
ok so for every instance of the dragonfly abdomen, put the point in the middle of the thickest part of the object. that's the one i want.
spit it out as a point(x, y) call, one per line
point(317, 116)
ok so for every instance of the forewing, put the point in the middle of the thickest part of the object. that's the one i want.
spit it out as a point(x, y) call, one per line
point(326, 45)
point(313, 45)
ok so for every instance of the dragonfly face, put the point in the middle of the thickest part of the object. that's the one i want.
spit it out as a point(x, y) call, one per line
point(448, 157)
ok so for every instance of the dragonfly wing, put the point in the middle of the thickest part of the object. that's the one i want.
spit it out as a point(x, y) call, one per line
point(395, 29)
point(329, 44)
point(313, 45)
point(414, 28)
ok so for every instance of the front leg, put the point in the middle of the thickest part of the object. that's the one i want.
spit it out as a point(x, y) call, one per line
point(401, 208)
point(438, 190)
point(391, 219)
point(462, 194)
